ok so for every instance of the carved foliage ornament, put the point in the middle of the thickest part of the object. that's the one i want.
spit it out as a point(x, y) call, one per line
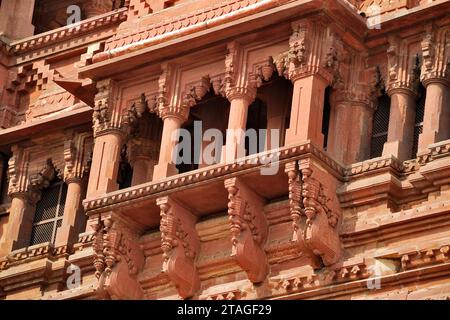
point(313, 219)
point(249, 229)
point(118, 259)
point(180, 245)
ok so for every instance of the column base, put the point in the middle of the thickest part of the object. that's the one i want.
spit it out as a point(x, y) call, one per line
point(397, 150)
point(164, 170)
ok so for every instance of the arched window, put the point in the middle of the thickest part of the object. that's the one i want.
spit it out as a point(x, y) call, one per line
point(49, 213)
point(380, 125)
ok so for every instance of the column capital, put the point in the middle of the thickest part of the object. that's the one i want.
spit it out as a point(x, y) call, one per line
point(105, 118)
point(246, 93)
point(435, 66)
point(402, 90)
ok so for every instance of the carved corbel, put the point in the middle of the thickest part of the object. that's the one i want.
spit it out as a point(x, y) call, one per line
point(249, 229)
point(236, 83)
point(118, 258)
point(104, 115)
point(76, 157)
point(315, 216)
point(262, 72)
point(168, 102)
point(403, 67)
point(180, 245)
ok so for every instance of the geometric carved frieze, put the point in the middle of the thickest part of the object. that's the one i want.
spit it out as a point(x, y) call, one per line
point(180, 245)
point(315, 213)
point(249, 229)
point(118, 258)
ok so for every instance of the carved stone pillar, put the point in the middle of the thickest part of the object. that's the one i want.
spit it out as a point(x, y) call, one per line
point(20, 223)
point(75, 172)
point(249, 229)
point(402, 88)
point(25, 192)
point(108, 141)
point(166, 166)
point(240, 99)
point(401, 123)
point(437, 112)
point(241, 94)
point(118, 258)
point(16, 18)
point(349, 135)
point(436, 79)
point(180, 245)
point(67, 233)
point(142, 156)
point(174, 112)
point(311, 67)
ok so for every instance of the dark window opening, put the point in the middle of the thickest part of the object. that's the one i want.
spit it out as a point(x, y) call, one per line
point(326, 117)
point(49, 213)
point(4, 176)
point(211, 112)
point(380, 125)
point(193, 161)
point(257, 120)
point(125, 175)
point(418, 124)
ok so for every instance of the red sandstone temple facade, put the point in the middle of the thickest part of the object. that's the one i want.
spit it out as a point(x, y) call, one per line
point(93, 205)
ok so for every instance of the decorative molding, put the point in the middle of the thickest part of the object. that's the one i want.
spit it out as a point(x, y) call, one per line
point(249, 229)
point(118, 258)
point(180, 245)
point(68, 32)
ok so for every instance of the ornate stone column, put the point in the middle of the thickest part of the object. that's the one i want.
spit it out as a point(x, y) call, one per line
point(240, 94)
point(142, 157)
point(16, 18)
point(402, 88)
point(240, 99)
point(310, 64)
point(108, 140)
point(25, 192)
point(174, 112)
point(351, 118)
point(436, 79)
point(75, 173)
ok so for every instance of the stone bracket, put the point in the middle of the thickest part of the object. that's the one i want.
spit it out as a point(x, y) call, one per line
point(118, 258)
point(249, 229)
point(180, 245)
point(315, 212)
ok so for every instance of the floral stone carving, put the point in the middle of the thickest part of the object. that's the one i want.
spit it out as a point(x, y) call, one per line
point(249, 229)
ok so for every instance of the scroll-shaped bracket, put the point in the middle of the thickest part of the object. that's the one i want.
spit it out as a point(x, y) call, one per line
point(180, 245)
point(118, 259)
point(249, 229)
point(315, 214)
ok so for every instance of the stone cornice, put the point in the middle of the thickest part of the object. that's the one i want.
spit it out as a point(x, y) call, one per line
point(214, 15)
point(67, 32)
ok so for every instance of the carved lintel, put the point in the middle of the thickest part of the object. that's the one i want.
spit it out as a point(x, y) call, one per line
point(180, 245)
point(118, 258)
point(314, 215)
point(249, 229)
